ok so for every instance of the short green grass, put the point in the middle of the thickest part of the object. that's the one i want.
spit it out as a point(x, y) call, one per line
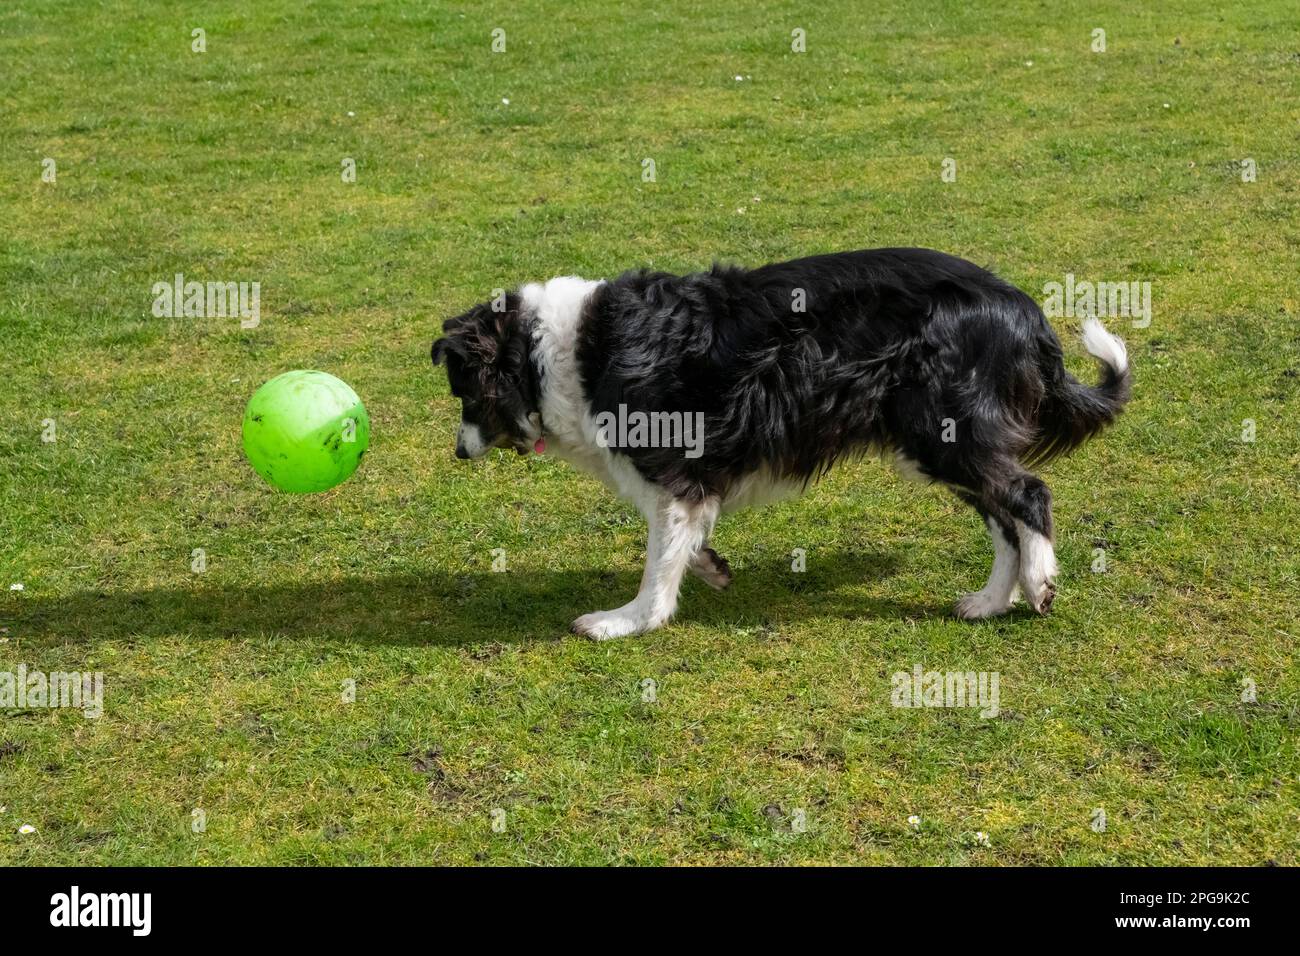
point(224, 689)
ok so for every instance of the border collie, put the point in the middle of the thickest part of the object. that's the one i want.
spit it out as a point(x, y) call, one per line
point(921, 357)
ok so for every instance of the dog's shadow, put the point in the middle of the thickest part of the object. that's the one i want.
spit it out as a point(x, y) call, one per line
point(444, 609)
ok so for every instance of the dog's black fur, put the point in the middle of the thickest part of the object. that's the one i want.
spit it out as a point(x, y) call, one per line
point(488, 351)
point(891, 346)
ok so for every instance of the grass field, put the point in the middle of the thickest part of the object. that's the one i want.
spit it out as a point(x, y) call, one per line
point(480, 730)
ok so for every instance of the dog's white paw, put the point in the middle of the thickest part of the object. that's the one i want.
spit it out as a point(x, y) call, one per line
point(604, 625)
point(1037, 570)
point(980, 604)
point(1039, 594)
point(712, 568)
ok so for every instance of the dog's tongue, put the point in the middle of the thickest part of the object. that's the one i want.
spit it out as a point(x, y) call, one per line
point(539, 446)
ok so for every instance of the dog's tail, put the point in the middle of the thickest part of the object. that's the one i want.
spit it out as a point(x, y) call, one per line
point(1072, 412)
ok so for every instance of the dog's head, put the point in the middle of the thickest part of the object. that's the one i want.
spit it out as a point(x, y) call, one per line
point(489, 366)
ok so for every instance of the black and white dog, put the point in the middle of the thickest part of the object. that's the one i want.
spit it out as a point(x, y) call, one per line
point(914, 354)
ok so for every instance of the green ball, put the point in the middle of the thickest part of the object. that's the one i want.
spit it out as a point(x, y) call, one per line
point(305, 431)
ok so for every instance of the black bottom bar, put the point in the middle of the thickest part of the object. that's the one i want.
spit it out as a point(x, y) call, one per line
point(332, 907)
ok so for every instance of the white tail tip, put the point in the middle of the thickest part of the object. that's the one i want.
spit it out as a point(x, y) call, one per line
point(1105, 346)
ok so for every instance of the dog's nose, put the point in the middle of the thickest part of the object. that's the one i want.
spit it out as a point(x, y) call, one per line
point(461, 452)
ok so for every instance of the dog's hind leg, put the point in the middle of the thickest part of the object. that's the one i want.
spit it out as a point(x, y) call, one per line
point(997, 596)
point(1037, 556)
point(1017, 509)
point(1020, 500)
point(678, 530)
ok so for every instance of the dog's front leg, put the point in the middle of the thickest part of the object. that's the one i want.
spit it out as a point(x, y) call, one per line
point(677, 532)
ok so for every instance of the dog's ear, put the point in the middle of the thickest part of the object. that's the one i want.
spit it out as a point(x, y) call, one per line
point(439, 350)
